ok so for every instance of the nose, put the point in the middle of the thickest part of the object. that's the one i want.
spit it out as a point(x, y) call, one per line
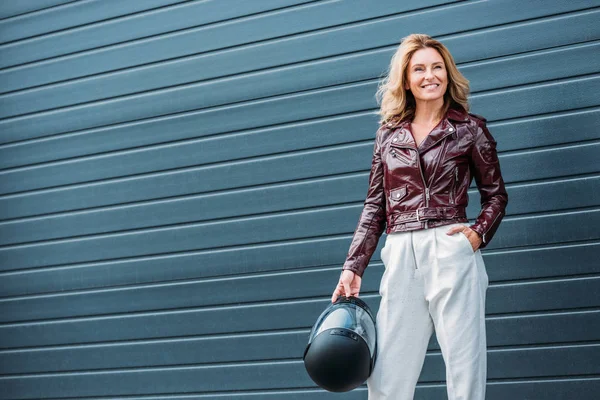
point(428, 73)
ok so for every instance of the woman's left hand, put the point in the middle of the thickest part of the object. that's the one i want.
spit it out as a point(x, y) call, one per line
point(473, 236)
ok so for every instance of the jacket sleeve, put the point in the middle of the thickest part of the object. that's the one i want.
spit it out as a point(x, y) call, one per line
point(371, 223)
point(485, 167)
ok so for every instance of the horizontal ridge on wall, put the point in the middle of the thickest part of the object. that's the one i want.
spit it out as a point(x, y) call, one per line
point(521, 263)
point(518, 331)
point(291, 167)
point(54, 72)
point(542, 130)
point(504, 300)
point(580, 387)
point(358, 66)
point(350, 197)
point(228, 291)
point(263, 144)
point(315, 194)
point(15, 9)
point(7, 137)
point(277, 24)
point(167, 21)
point(285, 108)
point(83, 18)
point(559, 361)
point(217, 238)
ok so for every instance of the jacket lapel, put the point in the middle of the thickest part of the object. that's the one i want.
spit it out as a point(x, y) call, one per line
point(438, 133)
point(443, 129)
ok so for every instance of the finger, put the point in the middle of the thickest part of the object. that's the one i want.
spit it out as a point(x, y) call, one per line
point(453, 230)
point(347, 290)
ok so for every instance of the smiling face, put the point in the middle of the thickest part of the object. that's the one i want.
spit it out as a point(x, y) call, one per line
point(427, 77)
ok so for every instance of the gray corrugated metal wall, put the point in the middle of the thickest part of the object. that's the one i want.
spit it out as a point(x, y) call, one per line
point(180, 181)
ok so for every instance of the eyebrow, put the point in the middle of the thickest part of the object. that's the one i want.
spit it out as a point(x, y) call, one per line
point(422, 65)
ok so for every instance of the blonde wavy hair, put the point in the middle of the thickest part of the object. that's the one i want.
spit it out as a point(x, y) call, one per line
point(398, 103)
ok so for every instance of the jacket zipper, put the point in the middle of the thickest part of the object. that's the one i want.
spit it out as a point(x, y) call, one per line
point(453, 190)
point(426, 188)
point(490, 227)
point(427, 196)
point(395, 155)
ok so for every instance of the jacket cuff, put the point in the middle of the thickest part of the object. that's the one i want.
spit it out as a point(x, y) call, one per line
point(355, 266)
point(477, 228)
point(488, 233)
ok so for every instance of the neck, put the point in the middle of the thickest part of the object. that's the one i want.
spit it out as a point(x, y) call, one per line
point(428, 112)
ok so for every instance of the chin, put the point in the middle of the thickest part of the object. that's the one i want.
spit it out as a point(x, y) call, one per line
point(430, 98)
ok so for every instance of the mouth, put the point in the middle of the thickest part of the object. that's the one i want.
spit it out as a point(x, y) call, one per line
point(431, 86)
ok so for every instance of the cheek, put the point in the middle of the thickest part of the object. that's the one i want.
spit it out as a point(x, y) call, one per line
point(444, 78)
point(408, 80)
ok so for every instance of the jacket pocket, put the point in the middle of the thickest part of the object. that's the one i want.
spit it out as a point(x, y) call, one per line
point(399, 155)
point(398, 194)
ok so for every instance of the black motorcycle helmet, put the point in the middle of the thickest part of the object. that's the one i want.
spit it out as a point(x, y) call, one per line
point(342, 347)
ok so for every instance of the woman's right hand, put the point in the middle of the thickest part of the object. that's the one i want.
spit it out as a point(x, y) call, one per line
point(348, 285)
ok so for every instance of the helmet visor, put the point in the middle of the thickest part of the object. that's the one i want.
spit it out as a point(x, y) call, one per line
point(348, 316)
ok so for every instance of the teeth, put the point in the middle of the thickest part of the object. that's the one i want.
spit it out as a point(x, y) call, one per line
point(430, 86)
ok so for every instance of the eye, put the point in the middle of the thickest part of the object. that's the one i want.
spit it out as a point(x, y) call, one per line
point(438, 67)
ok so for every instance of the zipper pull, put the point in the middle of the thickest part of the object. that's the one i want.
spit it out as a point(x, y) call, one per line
point(456, 174)
point(427, 195)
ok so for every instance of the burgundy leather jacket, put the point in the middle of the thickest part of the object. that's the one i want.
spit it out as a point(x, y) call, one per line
point(423, 187)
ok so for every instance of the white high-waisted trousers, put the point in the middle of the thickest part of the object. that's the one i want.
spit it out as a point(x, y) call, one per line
point(431, 280)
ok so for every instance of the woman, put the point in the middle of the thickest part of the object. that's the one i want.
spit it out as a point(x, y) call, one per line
point(427, 150)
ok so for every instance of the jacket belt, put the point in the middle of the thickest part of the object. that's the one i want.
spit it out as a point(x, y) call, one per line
point(426, 213)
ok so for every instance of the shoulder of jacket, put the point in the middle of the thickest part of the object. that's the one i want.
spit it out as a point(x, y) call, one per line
point(477, 118)
point(382, 131)
point(476, 124)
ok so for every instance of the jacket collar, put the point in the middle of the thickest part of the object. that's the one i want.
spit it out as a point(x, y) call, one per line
point(458, 115)
point(403, 136)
